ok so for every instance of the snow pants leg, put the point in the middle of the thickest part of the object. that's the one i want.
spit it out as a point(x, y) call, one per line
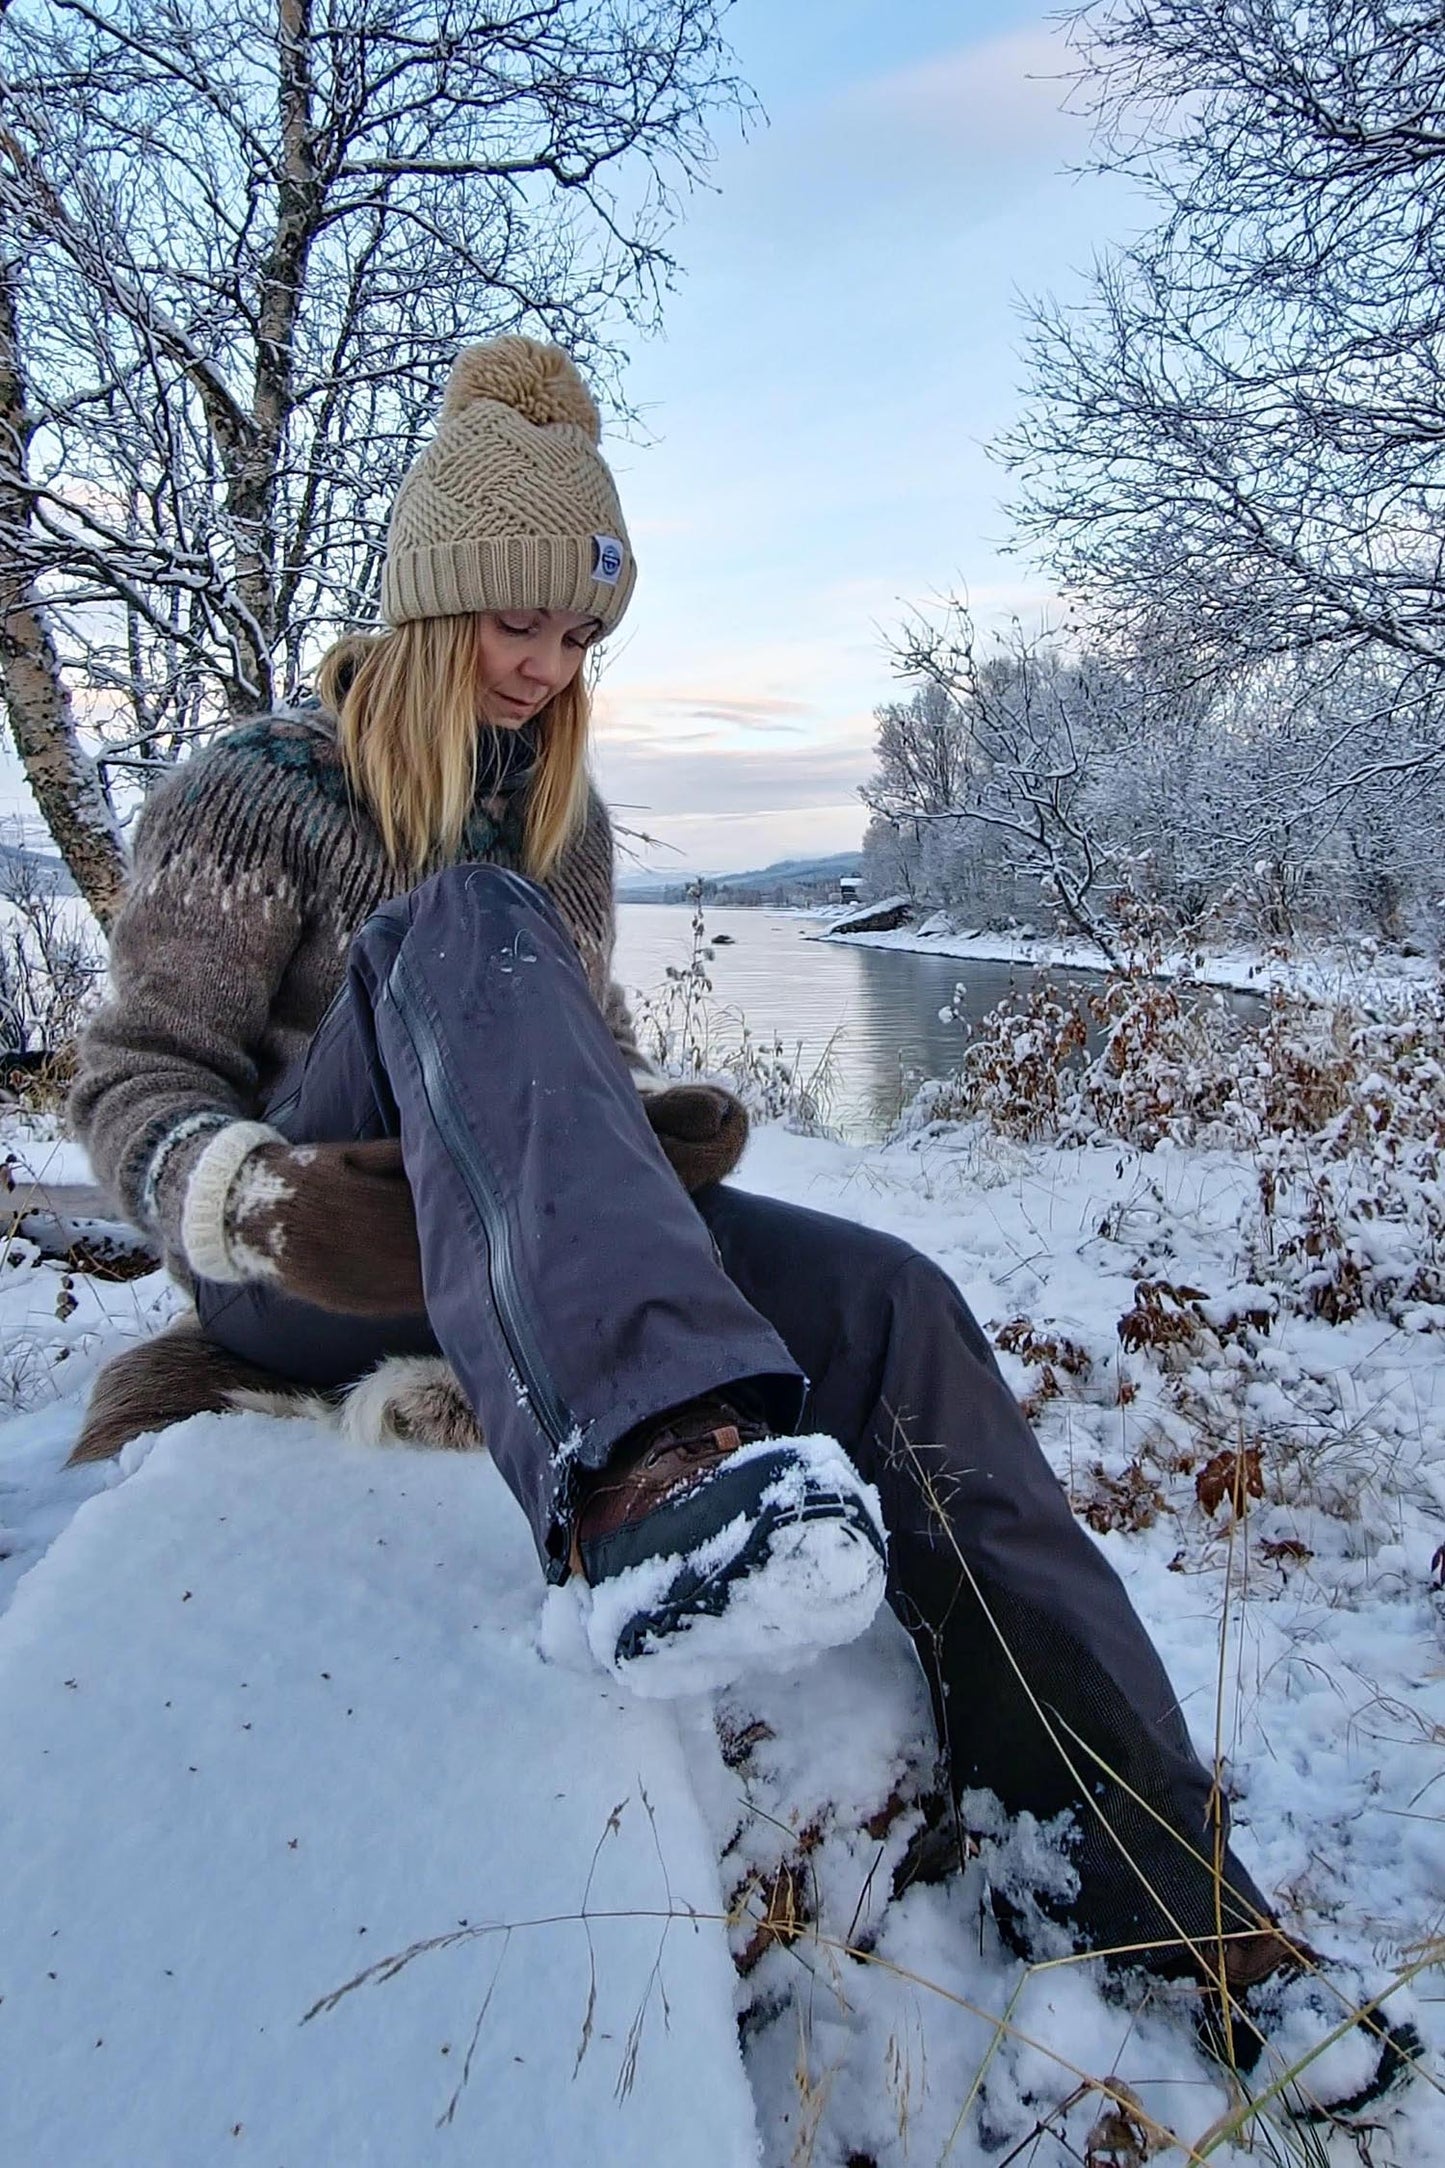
point(1046, 1689)
point(568, 1280)
point(576, 1291)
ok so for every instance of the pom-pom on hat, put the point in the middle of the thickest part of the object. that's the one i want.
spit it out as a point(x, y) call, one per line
point(511, 506)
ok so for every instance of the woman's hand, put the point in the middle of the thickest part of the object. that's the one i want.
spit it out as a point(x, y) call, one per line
point(333, 1224)
point(701, 1128)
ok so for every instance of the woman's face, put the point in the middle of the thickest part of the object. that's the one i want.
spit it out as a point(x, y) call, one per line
point(528, 656)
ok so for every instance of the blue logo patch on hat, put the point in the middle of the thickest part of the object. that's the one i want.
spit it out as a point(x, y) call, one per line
point(608, 558)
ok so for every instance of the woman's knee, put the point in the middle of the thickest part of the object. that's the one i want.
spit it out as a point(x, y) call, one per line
point(481, 910)
point(477, 890)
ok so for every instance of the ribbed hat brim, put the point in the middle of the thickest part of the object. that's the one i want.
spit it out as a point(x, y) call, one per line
point(509, 572)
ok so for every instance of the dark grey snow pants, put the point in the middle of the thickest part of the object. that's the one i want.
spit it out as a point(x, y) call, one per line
point(576, 1290)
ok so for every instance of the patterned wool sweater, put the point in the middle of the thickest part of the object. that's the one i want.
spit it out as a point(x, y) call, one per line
point(254, 868)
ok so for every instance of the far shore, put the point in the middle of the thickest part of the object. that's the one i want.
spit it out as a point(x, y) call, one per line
point(1322, 972)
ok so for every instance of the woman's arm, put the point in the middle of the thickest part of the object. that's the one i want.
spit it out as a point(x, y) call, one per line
point(211, 918)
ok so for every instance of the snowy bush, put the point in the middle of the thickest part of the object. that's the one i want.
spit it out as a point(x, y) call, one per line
point(1341, 1109)
point(51, 965)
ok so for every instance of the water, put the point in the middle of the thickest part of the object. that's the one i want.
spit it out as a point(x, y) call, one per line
point(879, 1007)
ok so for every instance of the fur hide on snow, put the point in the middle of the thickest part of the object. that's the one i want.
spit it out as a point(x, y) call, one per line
point(412, 1400)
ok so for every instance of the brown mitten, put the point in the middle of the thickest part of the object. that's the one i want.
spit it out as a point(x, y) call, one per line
point(332, 1223)
point(702, 1129)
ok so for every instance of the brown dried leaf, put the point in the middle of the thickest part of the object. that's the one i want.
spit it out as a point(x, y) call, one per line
point(1050, 1350)
point(1287, 1551)
point(1233, 1477)
point(1130, 1501)
point(1162, 1316)
point(1122, 2137)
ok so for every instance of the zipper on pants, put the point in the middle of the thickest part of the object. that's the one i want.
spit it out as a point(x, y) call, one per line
point(547, 1404)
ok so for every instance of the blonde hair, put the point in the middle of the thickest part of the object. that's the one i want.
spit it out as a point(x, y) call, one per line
point(407, 715)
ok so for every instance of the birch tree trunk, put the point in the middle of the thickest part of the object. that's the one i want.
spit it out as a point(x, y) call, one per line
point(60, 772)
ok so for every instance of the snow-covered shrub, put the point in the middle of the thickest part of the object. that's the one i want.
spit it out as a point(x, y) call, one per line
point(1350, 1114)
point(1141, 1060)
point(1019, 1072)
point(1360, 1232)
point(51, 964)
point(1342, 1109)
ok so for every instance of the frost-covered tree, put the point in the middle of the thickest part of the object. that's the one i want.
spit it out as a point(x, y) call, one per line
point(1031, 731)
point(240, 249)
point(1078, 775)
point(1237, 441)
point(922, 749)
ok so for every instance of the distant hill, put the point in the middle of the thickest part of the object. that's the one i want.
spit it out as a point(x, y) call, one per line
point(16, 858)
point(787, 880)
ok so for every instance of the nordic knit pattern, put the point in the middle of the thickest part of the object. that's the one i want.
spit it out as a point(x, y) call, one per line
point(511, 505)
point(254, 869)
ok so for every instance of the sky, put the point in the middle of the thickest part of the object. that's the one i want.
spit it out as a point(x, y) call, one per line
point(810, 466)
point(844, 343)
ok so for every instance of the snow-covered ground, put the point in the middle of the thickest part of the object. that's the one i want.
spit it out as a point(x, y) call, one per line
point(275, 1709)
point(1322, 973)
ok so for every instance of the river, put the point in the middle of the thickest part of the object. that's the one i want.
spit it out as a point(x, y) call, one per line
point(877, 1007)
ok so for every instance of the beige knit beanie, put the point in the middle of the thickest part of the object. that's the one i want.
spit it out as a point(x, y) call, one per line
point(511, 506)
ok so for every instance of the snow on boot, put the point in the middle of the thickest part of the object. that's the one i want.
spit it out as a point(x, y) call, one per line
point(716, 1550)
point(1286, 2005)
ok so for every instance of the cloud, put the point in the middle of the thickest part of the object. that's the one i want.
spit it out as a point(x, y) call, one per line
point(1003, 96)
point(712, 783)
point(655, 717)
point(741, 722)
point(947, 134)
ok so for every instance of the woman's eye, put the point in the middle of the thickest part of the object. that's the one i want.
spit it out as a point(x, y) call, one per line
point(518, 632)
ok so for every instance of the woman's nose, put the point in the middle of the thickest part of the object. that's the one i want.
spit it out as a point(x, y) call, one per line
point(541, 665)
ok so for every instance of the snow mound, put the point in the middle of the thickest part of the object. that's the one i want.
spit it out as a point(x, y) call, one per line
point(274, 1711)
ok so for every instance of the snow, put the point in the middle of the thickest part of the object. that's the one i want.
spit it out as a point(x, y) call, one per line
point(275, 1710)
point(1322, 974)
point(475, 1776)
point(819, 1587)
point(37, 1156)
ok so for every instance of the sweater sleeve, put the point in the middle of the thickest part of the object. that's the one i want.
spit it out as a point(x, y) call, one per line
point(211, 917)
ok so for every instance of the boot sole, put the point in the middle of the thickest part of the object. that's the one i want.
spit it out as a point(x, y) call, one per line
point(774, 1559)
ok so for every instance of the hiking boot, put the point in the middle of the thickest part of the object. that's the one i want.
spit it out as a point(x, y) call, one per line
point(712, 1549)
point(1286, 2005)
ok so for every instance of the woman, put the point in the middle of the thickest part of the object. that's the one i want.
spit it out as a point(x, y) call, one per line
point(365, 1076)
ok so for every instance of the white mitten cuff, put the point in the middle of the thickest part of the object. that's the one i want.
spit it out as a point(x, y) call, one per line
point(203, 1216)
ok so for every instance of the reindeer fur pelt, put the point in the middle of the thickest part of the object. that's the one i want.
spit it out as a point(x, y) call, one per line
point(412, 1400)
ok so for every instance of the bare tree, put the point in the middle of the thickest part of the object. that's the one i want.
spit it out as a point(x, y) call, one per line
point(1090, 781)
point(1238, 438)
point(1024, 726)
point(246, 244)
point(922, 747)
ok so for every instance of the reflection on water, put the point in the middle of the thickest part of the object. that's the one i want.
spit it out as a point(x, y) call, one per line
point(883, 1004)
